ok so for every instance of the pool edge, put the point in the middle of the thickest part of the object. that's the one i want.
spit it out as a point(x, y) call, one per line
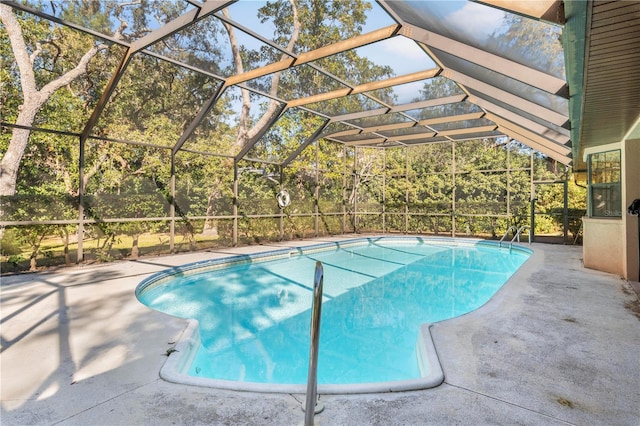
point(173, 370)
point(210, 264)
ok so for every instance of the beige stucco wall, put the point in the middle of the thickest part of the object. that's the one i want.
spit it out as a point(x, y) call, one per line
point(611, 245)
point(630, 191)
point(602, 246)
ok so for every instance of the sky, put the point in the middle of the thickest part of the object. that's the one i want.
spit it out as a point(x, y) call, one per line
point(402, 54)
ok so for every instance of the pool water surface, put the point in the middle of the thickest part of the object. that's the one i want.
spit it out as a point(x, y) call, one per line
point(254, 314)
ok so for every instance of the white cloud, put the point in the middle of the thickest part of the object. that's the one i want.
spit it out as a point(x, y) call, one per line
point(405, 48)
point(478, 22)
point(400, 53)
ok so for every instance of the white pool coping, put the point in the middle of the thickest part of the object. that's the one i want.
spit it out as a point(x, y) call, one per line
point(175, 368)
point(180, 359)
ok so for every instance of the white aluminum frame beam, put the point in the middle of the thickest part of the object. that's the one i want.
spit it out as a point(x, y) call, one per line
point(400, 108)
point(182, 21)
point(516, 101)
point(559, 138)
point(532, 136)
point(544, 10)
point(316, 54)
point(534, 145)
point(366, 87)
point(410, 124)
point(496, 63)
point(467, 130)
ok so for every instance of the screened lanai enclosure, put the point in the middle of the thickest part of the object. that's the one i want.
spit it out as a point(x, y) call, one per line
point(158, 126)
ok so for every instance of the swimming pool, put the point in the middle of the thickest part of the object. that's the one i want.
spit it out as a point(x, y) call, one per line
point(252, 313)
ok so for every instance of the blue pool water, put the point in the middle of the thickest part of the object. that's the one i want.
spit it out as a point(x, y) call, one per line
point(254, 315)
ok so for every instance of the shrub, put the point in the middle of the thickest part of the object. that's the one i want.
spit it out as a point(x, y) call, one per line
point(9, 243)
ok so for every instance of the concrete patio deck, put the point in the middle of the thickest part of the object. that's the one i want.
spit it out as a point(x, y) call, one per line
point(558, 345)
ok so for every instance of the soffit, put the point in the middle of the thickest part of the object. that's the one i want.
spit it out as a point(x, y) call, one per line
point(611, 101)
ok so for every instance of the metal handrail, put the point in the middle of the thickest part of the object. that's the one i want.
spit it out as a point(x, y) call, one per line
point(518, 232)
point(516, 235)
point(511, 228)
point(312, 379)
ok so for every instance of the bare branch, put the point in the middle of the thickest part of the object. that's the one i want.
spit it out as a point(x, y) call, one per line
point(275, 81)
point(58, 50)
point(35, 53)
point(71, 75)
point(123, 24)
point(292, 42)
point(95, 168)
point(246, 99)
point(27, 77)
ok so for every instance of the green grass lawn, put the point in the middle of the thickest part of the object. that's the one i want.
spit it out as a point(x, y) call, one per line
point(51, 251)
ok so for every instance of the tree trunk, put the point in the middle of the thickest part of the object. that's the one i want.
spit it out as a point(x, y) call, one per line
point(35, 248)
point(33, 266)
point(135, 251)
point(11, 160)
point(211, 225)
point(65, 239)
point(33, 98)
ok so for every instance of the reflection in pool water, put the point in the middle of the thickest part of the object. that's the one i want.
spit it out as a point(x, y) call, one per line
point(254, 315)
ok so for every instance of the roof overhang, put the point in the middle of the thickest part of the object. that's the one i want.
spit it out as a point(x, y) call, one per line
point(602, 47)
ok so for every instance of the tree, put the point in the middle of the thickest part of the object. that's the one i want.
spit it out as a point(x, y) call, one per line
point(154, 101)
point(300, 25)
point(35, 91)
point(49, 57)
point(529, 41)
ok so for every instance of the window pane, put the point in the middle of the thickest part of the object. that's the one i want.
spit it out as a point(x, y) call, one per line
point(606, 200)
point(605, 167)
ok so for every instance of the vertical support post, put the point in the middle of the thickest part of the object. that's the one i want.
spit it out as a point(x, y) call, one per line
point(509, 178)
point(355, 190)
point(344, 188)
point(532, 227)
point(453, 191)
point(172, 205)
point(589, 194)
point(235, 203)
point(281, 219)
point(565, 208)
point(81, 190)
point(312, 377)
point(406, 190)
point(384, 190)
point(93, 119)
point(532, 233)
point(316, 193)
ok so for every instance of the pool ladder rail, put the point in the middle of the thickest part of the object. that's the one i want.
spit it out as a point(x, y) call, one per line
point(516, 236)
point(311, 406)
